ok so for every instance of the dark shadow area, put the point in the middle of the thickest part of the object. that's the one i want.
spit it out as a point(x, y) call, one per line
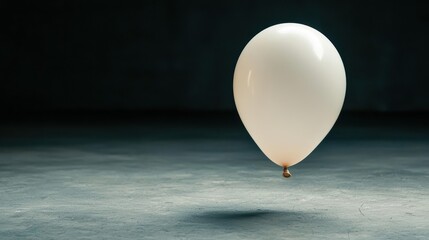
point(262, 218)
point(240, 215)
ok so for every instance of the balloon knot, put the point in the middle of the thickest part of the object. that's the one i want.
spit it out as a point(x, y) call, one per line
point(286, 172)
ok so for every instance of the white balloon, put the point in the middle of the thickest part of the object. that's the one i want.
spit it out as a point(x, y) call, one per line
point(289, 88)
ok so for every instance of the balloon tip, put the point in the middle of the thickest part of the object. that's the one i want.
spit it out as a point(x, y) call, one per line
point(286, 173)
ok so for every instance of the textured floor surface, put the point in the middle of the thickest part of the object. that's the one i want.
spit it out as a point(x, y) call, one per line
point(208, 180)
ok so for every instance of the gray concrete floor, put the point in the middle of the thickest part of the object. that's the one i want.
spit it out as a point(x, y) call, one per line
point(208, 180)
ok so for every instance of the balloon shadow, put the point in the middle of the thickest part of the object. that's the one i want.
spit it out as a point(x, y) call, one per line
point(232, 216)
point(263, 219)
point(264, 224)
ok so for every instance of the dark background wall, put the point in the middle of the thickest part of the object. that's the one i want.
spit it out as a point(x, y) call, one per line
point(180, 55)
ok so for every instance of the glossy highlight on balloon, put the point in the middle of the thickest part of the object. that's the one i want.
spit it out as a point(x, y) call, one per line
point(289, 88)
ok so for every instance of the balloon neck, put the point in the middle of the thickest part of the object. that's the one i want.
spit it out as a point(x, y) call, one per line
point(286, 172)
